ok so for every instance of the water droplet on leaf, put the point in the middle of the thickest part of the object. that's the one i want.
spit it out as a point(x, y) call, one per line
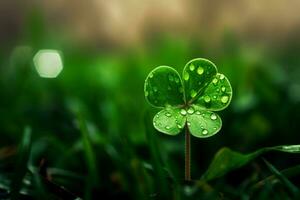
point(223, 89)
point(224, 99)
point(192, 67)
point(200, 70)
point(193, 93)
point(151, 75)
point(204, 132)
point(207, 99)
point(168, 114)
point(222, 76)
point(183, 111)
point(186, 76)
point(191, 110)
point(215, 81)
point(213, 116)
point(167, 127)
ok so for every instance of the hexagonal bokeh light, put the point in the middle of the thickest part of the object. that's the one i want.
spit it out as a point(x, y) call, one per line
point(48, 63)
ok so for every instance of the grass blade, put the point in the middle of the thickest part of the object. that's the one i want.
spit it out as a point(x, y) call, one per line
point(289, 172)
point(226, 160)
point(40, 191)
point(93, 175)
point(21, 164)
point(289, 185)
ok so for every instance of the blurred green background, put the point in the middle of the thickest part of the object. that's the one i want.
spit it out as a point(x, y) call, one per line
point(91, 126)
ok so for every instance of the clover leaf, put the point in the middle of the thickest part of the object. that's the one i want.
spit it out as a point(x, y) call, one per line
point(189, 101)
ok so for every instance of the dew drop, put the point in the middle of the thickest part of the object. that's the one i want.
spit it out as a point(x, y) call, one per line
point(186, 76)
point(188, 123)
point(171, 77)
point(167, 127)
point(213, 116)
point(224, 99)
point(179, 126)
point(168, 114)
point(151, 75)
point(215, 81)
point(191, 110)
point(214, 96)
point(223, 89)
point(198, 112)
point(177, 80)
point(192, 67)
point(222, 76)
point(183, 112)
point(193, 93)
point(204, 132)
point(207, 99)
point(200, 70)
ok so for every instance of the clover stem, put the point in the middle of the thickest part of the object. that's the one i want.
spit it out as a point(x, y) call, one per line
point(187, 154)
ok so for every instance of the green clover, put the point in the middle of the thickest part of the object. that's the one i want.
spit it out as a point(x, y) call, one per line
point(189, 102)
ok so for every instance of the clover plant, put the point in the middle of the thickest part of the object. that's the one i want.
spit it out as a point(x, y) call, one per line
point(188, 103)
